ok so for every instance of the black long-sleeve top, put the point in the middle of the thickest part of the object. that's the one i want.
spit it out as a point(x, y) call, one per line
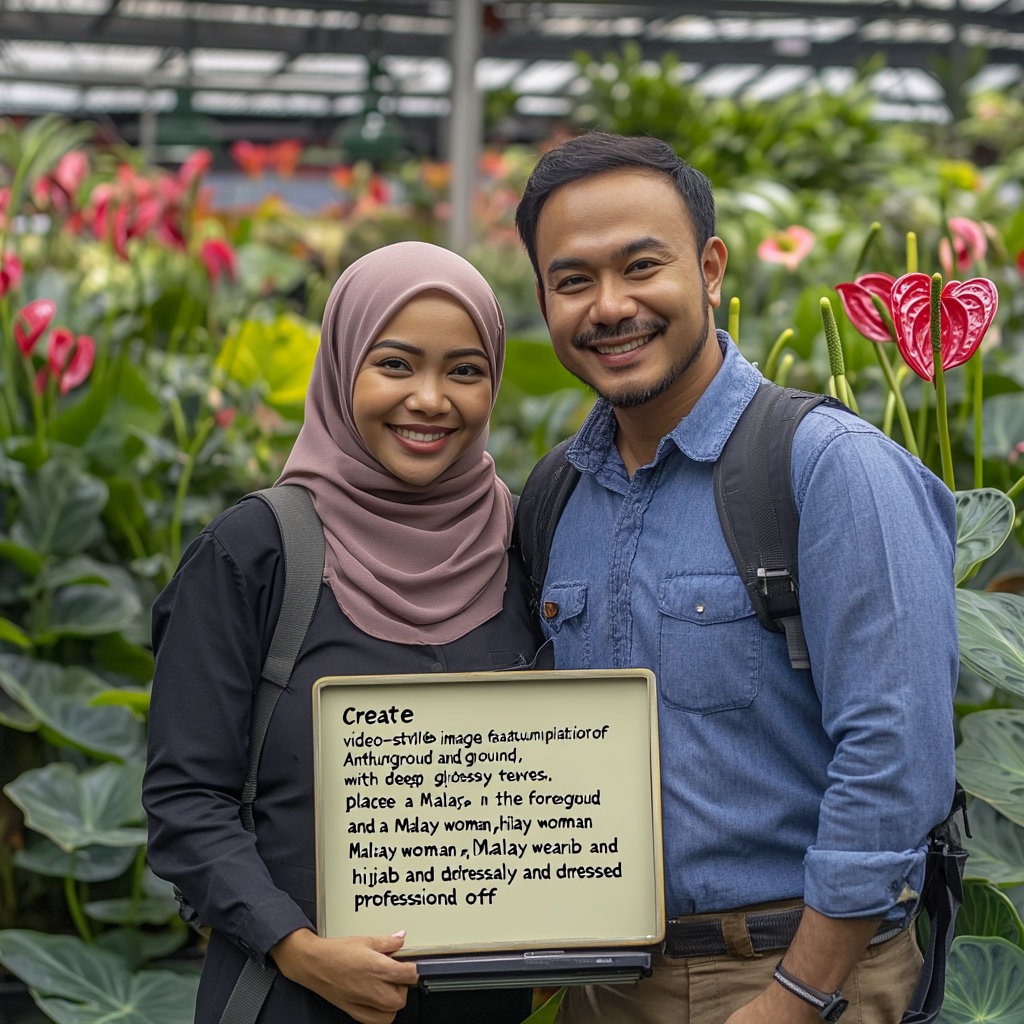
point(212, 628)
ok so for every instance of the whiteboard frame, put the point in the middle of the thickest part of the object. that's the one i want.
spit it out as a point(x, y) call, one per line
point(582, 677)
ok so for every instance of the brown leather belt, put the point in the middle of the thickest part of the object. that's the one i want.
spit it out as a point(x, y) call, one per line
point(743, 935)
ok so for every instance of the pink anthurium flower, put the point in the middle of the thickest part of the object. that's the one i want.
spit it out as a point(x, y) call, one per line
point(966, 312)
point(198, 163)
point(69, 358)
point(856, 296)
point(31, 321)
point(788, 247)
point(219, 259)
point(969, 240)
point(71, 172)
point(11, 270)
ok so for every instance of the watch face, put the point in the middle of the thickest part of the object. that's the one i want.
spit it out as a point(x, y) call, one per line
point(835, 1011)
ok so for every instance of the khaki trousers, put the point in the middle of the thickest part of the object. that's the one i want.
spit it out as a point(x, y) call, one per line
point(707, 989)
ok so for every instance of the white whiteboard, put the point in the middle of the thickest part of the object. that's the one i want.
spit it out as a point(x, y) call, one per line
point(489, 810)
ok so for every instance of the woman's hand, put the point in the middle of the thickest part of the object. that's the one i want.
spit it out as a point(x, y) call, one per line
point(355, 974)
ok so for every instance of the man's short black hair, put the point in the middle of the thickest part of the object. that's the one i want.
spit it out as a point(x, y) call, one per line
point(597, 152)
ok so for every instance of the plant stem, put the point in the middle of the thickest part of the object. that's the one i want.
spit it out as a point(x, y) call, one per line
point(979, 390)
point(140, 870)
point(186, 476)
point(784, 367)
point(771, 364)
point(10, 391)
point(75, 907)
point(911, 252)
point(941, 415)
point(873, 233)
point(1016, 489)
point(890, 412)
point(734, 319)
point(909, 441)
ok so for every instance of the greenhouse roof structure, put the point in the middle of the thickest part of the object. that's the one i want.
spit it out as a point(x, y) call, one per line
point(309, 58)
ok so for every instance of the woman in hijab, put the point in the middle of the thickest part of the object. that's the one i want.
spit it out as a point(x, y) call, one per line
point(417, 578)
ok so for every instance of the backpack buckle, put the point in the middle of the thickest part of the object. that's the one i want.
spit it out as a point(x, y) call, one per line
point(765, 575)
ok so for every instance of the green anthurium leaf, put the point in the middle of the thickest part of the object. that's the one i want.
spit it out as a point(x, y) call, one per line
point(75, 983)
point(997, 847)
point(85, 609)
point(134, 700)
point(115, 653)
point(60, 699)
point(13, 634)
point(153, 885)
point(101, 806)
point(1002, 420)
point(82, 569)
point(60, 508)
point(546, 1014)
point(984, 518)
point(14, 716)
point(991, 628)
point(27, 561)
point(146, 910)
point(990, 760)
point(135, 947)
point(984, 982)
point(88, 864)
point(986, 912)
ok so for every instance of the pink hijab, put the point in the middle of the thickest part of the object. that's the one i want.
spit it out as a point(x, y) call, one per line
point(418, 564)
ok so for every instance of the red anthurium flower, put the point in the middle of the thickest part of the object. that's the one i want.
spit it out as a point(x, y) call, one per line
point(69, 358)
point(198, 163)
point(966, 313)
point(31, 321)
point(284, 157)
point(42, 376)
point(250, 157)
point(969, 239)
point(1020, 263)
point(788, 247)
point(379, 190)
point(225, 417)
point(219, 259)
point(71, 172)
point(861, 310)
point(10, 273)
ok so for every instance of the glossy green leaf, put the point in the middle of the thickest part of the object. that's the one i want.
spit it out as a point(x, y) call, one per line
point(13, 634)
point(134, 700)
point(546, 1014)
point(135, 947)
point(60, 699)
point(59, 511)
point(986, 912)
point(997, 847)
point(984, 518)
point(115, 653)
point(14, 716)
point(83, 569)
point(990, 760)
point(991, 628)
point(75, 983)
point(984, 983)
point(101, 806)
point(27, 561)
point(85, 609)
point(1002, 418)
point(146, 910)
point(88, 864)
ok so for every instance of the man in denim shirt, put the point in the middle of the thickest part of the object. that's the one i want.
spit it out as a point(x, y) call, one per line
point(782, 789)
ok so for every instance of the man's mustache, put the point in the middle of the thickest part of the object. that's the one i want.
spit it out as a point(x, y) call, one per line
point(623, 329)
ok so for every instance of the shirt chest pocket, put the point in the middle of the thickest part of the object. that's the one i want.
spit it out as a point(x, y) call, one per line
point(709, 645)
point(563, 611)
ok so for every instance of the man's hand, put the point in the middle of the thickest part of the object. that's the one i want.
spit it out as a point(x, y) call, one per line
point(823, 952)
point(357, 975)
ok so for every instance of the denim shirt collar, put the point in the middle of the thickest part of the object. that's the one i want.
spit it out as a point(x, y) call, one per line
point(700, 436)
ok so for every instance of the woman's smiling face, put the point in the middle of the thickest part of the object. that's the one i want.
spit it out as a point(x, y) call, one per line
point(423, 393)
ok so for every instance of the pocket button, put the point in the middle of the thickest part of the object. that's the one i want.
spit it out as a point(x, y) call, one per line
point(550, 609)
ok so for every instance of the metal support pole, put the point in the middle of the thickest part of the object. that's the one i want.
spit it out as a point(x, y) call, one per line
point(147, 129)
point(465, 122)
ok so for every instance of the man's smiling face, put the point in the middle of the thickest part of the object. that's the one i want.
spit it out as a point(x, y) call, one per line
point(622, 286)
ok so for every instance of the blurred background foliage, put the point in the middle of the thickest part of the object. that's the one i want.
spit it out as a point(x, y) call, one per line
point(194, 331)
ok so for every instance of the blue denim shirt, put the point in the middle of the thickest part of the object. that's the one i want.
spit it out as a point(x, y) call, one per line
point(776, 783)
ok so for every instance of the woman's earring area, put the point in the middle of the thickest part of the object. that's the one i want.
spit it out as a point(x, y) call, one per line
point(422, 395)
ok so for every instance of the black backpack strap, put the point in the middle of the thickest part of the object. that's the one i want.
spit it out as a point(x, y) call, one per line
point(302, 539)
point(941, 898)
point(757, 511)
point(547, 492)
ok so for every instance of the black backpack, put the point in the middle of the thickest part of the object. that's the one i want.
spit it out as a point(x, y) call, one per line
point(757, 513)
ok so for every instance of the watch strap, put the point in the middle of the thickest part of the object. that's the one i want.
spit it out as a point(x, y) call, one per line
point(830, 1005)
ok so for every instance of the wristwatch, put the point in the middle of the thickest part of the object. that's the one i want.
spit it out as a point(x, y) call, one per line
point(830, 1007)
